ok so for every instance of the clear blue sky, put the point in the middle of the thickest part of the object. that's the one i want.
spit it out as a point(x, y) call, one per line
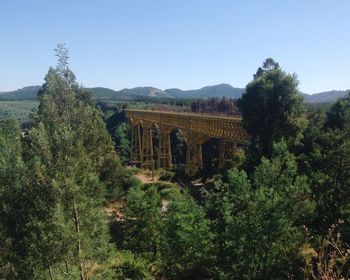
point(176, 43)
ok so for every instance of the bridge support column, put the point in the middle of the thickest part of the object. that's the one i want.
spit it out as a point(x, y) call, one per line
point(147, 148)
point(227, 151)
point(194, 158)
point(135, 153)
point(164, 153)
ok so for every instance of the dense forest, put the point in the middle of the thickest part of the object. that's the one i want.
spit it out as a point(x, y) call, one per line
point(72, 209)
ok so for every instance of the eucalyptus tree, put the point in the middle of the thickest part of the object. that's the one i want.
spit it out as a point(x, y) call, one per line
point(73, 167)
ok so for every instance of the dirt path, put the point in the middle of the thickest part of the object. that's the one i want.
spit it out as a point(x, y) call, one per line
point(146, 177)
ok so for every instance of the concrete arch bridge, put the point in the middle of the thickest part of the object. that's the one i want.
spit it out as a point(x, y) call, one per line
point(197, 129)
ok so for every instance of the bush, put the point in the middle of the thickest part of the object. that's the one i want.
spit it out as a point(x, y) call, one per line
point(128, 266)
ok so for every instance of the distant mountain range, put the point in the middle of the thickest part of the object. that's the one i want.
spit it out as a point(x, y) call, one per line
point(151, 92)
point(325, 97)
point(100, 93)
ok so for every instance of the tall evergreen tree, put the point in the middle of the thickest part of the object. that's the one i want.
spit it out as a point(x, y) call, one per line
point(272, 110)
point(12, 172)
point(73, 166)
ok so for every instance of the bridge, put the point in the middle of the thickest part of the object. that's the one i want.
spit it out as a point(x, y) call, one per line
point(197, 129)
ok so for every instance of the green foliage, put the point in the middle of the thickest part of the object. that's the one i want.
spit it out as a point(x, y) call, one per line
point(281, 174)
point(258, 222)
point(166, 175)
point(72, 150)
point(178, 149)
point(169, 229)
point(54, 219)
point(269, 65)
point(185, 247)
point(143, 215)
point(11, 175)
point(324, 160)
point(272, 110)
point(60, 161)
point(339, 114)
point(19, 110)
point(122, 141)
point(129, 267)
point(25, 212)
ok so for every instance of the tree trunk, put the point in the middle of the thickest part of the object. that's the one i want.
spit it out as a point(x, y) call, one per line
point(67, 270)
point(51, 274)
point(77, 229)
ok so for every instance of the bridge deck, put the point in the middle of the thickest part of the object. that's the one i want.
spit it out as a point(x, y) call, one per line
point(218, 126)
point(195, 115)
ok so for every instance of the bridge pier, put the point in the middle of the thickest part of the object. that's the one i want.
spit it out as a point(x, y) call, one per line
point(227, 151)
point(142, 153)
point(147, 161)
point(194, 158)
point(194, 153)
point(136, 148)
point(164, 151)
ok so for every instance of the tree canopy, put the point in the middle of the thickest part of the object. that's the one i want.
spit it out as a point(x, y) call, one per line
point(272, 109)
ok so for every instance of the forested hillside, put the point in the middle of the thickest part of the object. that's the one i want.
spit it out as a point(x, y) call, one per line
point(26, 93)
point(18, 109)
point(325, 97)
point(101, 93)
point(137, 93)
point(72, 209)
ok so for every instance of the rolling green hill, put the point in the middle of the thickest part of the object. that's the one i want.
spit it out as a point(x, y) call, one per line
point(30, 93)
point(26, 93)
point(104, 93)
point(325, 97)
point(221, 90)
point(17, 109)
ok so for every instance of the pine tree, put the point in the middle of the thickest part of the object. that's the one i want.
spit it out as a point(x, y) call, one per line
point(73, 166)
